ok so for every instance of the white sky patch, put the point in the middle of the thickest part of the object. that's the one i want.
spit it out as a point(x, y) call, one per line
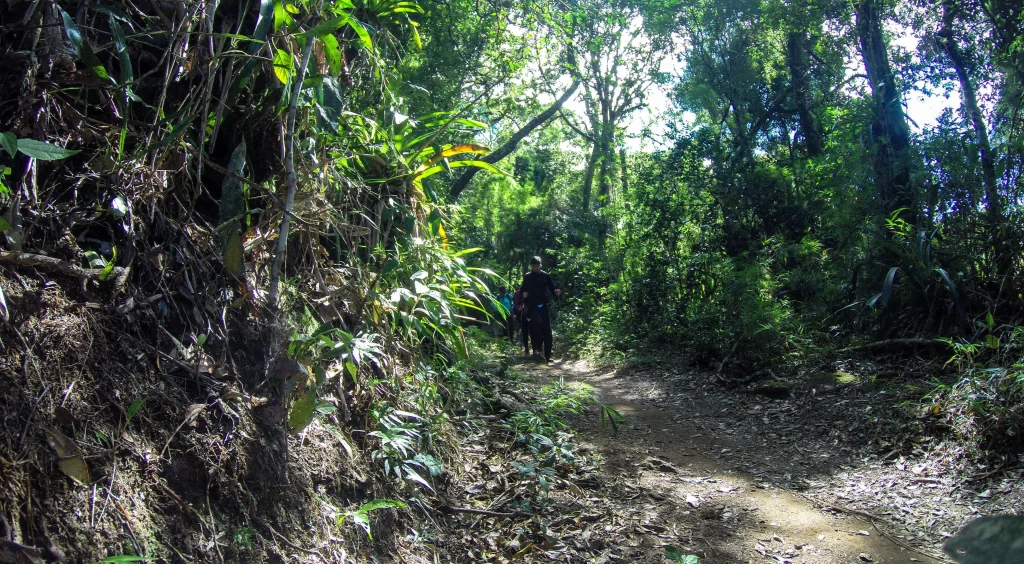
point(923, 110)
point(646, 128)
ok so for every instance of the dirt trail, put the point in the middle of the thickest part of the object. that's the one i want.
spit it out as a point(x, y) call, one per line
point(664, 461)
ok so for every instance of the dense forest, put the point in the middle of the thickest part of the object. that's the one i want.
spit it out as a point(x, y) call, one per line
point(250, 255)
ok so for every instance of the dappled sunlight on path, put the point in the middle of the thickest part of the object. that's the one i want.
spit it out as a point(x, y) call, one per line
point(668, 469)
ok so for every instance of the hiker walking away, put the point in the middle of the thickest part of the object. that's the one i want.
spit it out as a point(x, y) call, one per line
point(505, 301)
point(536, 285)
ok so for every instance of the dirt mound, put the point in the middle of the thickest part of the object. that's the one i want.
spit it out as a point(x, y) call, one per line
point(112, 446)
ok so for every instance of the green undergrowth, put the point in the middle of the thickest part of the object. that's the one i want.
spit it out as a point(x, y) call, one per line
point(982, 403)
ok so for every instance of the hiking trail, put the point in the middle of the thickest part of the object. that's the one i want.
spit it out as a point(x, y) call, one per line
point(677, 474)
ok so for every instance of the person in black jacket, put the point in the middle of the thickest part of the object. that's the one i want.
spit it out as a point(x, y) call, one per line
point(536, 285)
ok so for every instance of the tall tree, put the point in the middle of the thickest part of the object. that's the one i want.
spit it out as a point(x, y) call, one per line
point(618, 62)
point(798, 58)
point(890, 137)
point(950, 43)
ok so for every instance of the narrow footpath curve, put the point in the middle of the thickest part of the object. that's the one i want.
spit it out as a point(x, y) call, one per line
point(661, 462)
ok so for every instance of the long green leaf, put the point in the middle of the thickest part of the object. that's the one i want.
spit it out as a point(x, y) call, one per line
point(263, 23)
point(326, 27)
point(951, 286)
point(887, 287)
point(376, 504)
point(177, 130)
point(332, 52)
point(9, 142)
point(133, 409)
point(468, 251)
point(44, 151)
point(458, 164)
point(82, 47)
point(361, 32)
point(121, 44)
point(259, 36)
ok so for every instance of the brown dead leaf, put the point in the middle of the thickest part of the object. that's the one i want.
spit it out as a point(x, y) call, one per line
point(64, 417)
point(206, 364)
point(562, 521)
point(192, 413)
point(18, 553)
point(69, 456)
point(232, 394)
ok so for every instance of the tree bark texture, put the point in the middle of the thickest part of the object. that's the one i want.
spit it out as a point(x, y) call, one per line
point(890, 134)
point(607, 163)
point(970, 99)
point(588, 175)
point(798, 59)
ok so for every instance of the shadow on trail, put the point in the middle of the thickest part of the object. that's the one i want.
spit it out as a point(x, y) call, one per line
point(722, 472)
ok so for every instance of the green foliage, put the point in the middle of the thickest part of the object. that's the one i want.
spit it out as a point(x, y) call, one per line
point(361, 516)
point(243, 537)
point(612, 417)
point(672, 554)
point(402, 438)
point(544, 433)
point(982, 405)
point(36, 149)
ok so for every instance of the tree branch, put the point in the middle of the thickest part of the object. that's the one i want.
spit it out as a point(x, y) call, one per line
point(510, 145)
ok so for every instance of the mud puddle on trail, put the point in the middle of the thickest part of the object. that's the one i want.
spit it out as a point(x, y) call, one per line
point(660, 467)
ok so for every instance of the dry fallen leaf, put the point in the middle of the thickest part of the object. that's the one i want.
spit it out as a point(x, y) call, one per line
point(193, 412)
point(65, 417)
point(69, 456)
point(19, 553)
point(692, 500)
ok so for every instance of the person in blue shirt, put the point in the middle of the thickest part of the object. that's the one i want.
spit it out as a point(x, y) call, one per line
point(536, 285)
point(505, 311)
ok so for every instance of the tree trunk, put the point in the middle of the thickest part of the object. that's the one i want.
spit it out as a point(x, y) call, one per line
point(890, 132)
point(988, 165)
point(623, 170)
point(607, 160)
point(799, 67)
point(588, 176)
point(510, 145)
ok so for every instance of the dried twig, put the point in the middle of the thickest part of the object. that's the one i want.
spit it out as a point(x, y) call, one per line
point(874, 519)
point(476, 418)
point(484, 512)
point(289, 201)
